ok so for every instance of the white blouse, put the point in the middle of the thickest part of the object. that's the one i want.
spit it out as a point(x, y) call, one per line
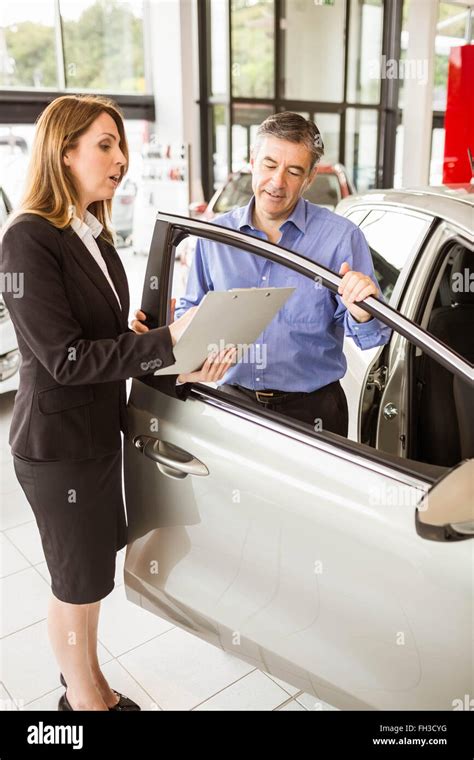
point(88, 230)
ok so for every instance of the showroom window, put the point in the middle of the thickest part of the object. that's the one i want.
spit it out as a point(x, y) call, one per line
point(312, 66)
point(451, 31)
point(94, 45)
point(54, 47)
point(455, 27)
point(361, 146)
point(103, 46)
point(27, 45)
point(252, 34)
point(245, 121)
point(318, 59)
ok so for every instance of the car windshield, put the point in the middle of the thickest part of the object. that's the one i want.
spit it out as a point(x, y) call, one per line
point(237, 192)
point(324, 191)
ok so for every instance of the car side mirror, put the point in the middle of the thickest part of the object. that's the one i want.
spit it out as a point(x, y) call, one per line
point(446, 513)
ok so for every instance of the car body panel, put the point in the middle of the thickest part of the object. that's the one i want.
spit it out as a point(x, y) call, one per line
point(452, 203)
point(303, 563)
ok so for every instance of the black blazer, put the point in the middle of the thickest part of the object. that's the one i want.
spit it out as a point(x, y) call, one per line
point(76, 347)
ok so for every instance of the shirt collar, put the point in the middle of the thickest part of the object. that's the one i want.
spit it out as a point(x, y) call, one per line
point(90, 224)
point(297, 216)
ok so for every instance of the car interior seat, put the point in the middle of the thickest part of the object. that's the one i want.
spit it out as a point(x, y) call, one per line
point(445, 430)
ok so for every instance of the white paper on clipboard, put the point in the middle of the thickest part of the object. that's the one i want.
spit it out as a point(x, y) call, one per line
point(225, 317)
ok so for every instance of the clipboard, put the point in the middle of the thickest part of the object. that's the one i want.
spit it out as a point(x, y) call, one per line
point(223, 318)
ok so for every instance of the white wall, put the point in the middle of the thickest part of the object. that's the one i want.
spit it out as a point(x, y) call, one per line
point(171, 44)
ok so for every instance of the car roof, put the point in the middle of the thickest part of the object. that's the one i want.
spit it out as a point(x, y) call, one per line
point(454, 203)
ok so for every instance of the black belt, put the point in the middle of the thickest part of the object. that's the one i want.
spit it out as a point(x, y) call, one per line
point(269, 396)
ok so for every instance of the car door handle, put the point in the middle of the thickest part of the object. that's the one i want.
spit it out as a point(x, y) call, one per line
point(170, 459)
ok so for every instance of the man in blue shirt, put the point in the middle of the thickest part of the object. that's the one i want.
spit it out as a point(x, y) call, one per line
point(302, 346)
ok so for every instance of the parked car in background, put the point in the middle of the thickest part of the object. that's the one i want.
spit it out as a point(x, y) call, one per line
point(342, 566)
point(122, 212)
point(331, 184)
point(9, 353)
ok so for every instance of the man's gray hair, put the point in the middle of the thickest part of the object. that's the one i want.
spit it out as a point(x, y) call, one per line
point(295, 128)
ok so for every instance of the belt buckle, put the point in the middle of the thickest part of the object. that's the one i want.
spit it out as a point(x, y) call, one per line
point(263, 393)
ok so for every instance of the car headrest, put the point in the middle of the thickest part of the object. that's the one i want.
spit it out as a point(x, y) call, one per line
point(462, 278)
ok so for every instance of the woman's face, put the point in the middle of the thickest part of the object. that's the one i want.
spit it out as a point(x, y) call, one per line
point(96, 162)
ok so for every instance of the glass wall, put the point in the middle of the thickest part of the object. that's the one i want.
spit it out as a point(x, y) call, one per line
point(319, 59)
point(219, 52)
point(27, 45)
point(365, 50)
point(70, 46)
point(245, 121)
point(451, 30)
point(329, 124)
point(312, 64)
point(361, 147)
point(103, 45)
point(93, 45)
point(219, 146)
point(454, 28)
point(252, 35)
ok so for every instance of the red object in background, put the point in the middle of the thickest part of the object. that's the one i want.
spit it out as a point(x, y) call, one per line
point(459, 119)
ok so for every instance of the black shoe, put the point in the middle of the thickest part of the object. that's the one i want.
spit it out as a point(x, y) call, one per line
point(64, 703)
point(125, 704)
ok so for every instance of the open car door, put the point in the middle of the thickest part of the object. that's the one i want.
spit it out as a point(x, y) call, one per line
point(343, 570)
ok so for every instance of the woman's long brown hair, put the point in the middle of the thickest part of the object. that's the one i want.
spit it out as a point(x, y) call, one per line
point(50, 190)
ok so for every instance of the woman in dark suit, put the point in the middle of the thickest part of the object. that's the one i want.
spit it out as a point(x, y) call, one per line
point(69, 309)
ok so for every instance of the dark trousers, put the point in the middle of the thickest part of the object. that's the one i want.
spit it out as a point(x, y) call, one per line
point(323, 409)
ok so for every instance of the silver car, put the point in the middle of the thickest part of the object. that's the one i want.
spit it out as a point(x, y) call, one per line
point(342, 566)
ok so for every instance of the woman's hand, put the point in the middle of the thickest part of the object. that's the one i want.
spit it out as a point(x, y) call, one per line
point(213, 369)
point(215, 366)
point(136, 324)
point(176, 328)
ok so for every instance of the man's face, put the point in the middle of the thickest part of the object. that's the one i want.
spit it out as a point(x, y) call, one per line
point(280, 175)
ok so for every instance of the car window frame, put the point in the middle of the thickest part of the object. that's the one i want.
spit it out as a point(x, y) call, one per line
point(170, 229)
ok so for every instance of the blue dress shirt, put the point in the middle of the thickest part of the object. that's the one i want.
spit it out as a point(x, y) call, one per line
point(301, 348)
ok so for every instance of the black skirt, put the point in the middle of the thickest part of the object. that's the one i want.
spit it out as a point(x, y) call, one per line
point(79, 510)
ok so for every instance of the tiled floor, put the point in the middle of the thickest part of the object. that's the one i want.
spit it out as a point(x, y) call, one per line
point(158, 665)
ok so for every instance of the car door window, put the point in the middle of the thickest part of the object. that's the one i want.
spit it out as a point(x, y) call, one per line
point(388, 404)
point(237, 192)
point(325, 190)
point(394, 238)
